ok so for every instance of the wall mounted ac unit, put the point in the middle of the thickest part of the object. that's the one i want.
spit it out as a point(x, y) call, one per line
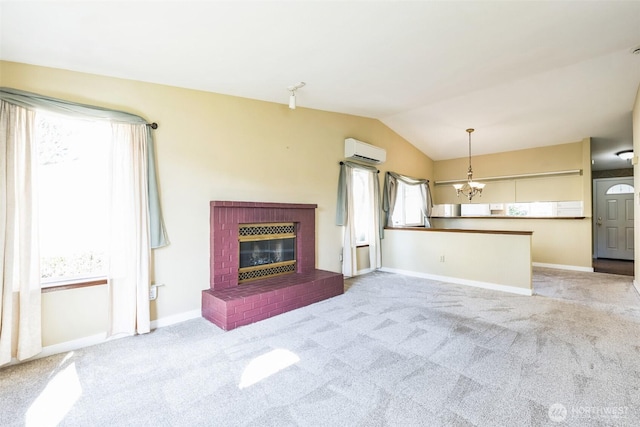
point(358, 150)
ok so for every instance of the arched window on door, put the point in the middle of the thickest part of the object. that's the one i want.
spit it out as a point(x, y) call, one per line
point(620, 189)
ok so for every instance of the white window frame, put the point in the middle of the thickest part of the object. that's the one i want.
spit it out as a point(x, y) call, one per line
point(400, 210)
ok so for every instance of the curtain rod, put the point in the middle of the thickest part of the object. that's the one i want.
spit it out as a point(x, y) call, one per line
point(377, 171)
point(153, 125)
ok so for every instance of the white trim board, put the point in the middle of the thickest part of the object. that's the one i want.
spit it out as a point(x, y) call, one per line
point(176, 318)
point(363, 271)
point(563, 267)
point(100, 338)
point(459, 281)
point(637, 286)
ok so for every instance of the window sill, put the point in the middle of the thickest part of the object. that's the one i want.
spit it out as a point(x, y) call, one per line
point(73, 284)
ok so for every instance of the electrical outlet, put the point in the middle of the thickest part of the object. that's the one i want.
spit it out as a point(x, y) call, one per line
point(441, 258)
point(153, 292)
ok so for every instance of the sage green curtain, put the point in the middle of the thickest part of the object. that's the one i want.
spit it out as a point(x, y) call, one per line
point(390, 193)
point(33, 101)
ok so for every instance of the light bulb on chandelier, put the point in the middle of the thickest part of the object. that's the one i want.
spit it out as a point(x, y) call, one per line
point(470, 188)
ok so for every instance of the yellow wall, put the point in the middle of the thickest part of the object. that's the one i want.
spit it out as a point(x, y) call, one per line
point(532, 160)
point(555, 158)
point(214, 147)
point(363, 260)
point(462, 258)
point(561, 242)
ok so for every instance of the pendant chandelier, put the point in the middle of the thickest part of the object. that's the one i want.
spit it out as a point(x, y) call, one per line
point(469, 188)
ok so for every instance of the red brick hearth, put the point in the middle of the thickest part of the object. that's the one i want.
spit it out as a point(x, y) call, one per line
point(229, 304)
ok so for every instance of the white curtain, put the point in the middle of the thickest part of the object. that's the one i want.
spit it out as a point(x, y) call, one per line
point(20, 294)
point(346, 216)
point(129, 241)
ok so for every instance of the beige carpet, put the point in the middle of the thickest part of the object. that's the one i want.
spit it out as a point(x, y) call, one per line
point(392, 350)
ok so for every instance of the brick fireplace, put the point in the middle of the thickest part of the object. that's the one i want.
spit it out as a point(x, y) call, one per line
point(229, 303)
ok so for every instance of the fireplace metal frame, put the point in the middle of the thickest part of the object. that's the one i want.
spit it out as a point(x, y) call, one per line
point(245, 234)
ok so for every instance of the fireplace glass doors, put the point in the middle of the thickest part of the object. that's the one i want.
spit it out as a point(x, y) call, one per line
point(266, 250)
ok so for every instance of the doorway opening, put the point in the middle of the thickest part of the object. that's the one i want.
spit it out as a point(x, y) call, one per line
point(613, 227)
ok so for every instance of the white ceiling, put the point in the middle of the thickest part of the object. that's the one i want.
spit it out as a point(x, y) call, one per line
point(522, 73)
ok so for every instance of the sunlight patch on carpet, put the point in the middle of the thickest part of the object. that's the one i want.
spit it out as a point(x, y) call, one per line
point(266, 365)
point(56, 400)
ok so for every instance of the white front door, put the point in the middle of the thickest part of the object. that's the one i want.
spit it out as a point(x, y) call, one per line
point(614, 218)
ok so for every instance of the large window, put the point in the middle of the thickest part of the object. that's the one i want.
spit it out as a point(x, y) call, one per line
point(362, 193)
point(72, 197)
point(87, 211)
point(407, 211)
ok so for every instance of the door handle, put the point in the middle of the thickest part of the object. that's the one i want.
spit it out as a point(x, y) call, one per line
point(599, 222)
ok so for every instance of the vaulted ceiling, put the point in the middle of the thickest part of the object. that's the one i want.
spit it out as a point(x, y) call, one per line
point(523, 74)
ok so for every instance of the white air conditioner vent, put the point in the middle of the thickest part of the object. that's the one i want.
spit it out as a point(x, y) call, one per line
point(358, 150)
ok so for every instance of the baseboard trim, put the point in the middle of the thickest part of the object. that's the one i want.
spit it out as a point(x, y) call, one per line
point(459, 281)
point(563, 267)
point(88, 341)
point(67, 346)
point(77, 344)
point(176, 318)
point(364, 271)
